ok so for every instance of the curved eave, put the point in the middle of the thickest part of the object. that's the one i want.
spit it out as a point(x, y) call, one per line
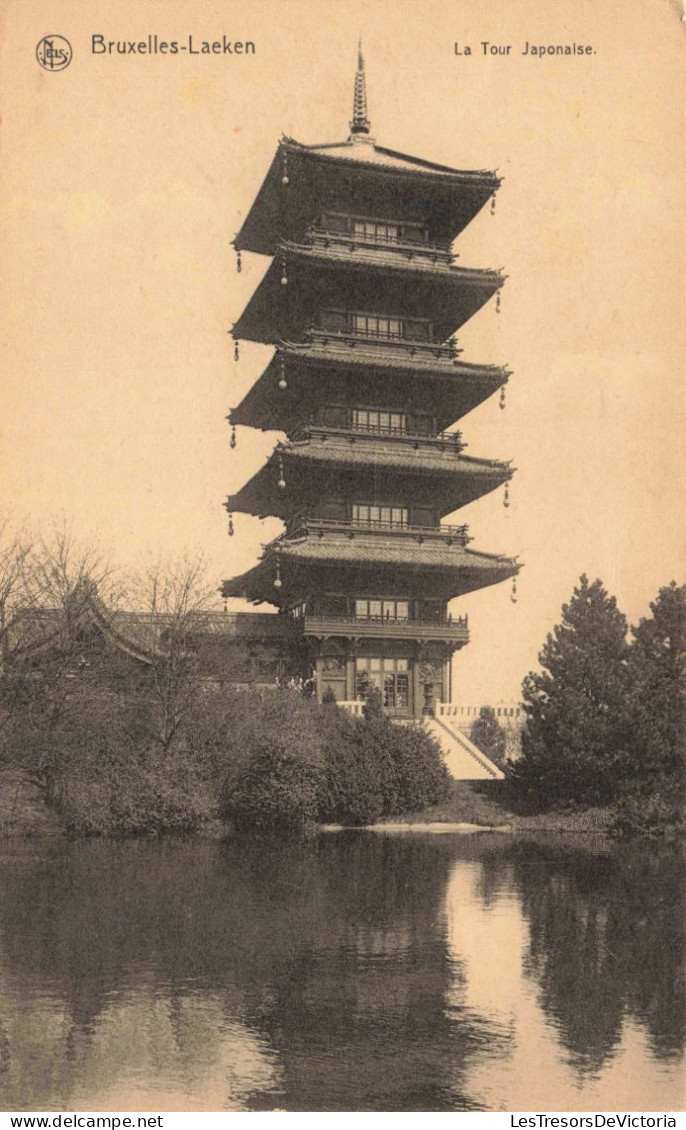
point(315, 172)
point(309, 565)
point(448, 482)
point(451, 388)
point(447, 296)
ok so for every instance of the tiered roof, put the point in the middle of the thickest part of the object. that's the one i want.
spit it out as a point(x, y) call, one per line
point(368, 559)
point(452, 386)
point(368, 464)
point(313, 173)
point(316, 271)
point(448, 294)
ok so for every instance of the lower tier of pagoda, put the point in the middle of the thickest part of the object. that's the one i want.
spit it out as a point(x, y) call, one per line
point(366, 563)
point(338, 464)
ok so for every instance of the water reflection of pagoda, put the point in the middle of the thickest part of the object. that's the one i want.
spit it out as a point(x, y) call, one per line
point(362, 300)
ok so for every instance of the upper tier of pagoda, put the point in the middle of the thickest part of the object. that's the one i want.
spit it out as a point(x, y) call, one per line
point(357, 176)
point(318, 186)
point(356, 370)
point(305, 280)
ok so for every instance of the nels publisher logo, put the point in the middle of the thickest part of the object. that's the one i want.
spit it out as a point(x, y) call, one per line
point(54, 52)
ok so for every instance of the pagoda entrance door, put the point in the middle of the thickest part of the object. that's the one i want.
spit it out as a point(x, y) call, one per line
point(392, 678)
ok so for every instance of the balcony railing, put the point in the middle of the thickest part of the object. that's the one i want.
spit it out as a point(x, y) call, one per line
point(444, 441)
point(379, 627)
point(324, 237)
point(429, 350)
point(352, 526)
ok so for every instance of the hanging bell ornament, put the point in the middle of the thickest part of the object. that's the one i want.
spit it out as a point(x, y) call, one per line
point(513, 595)
point(283, 383)
point(506, 496)
point(281, 482)
point(232, 441)
point(230, 525)
point(493, 204)
point(284, 276)
point(497, 303)
point(277, 579)
point(502, 397)
point(239, 264)
point(236, 350)
point(284, 171)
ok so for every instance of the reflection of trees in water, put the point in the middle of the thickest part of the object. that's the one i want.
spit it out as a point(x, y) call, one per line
point(333, 954)
point(606, 941)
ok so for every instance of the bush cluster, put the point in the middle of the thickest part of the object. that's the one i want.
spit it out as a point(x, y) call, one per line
point(340, 769)
point(270, 762)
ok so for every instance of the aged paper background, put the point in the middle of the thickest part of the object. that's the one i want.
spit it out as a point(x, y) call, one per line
point(124, 179)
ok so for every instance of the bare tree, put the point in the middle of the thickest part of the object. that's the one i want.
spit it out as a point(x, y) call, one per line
point(175, 619)
point(15, 554)
point(46, 585)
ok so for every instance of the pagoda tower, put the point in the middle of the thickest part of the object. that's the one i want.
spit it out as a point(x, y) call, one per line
point(362, 301)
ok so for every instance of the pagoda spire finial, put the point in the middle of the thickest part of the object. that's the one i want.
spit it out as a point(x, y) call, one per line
point(360, 123)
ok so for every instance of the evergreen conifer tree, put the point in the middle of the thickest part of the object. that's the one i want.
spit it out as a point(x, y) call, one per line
point(574, 738)
point(657, 670)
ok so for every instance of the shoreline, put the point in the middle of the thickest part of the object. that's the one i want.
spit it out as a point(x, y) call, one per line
point(470, 809)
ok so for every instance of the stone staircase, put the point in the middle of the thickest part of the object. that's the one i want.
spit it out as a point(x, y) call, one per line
point(464, 760)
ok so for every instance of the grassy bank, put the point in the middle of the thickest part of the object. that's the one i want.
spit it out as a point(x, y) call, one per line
point(486, 804)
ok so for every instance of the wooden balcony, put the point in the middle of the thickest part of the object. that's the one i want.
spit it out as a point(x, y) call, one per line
point(389, 346)
point(452, 630)
point(441, 441)
point(451, 535)
point(422, 252)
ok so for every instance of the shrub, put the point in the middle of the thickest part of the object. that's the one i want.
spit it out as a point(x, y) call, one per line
point(359, 774)
point(422, 775)
point(106, 793)
point(650, 811)
point(375, 768)
point(274, 793)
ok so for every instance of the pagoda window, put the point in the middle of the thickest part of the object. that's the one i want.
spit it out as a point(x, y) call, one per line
point(379, 420)
point(377, 325)
point(390, 676)
point(371, 608)
point(374, 229)
point(384, 327)
point(370, 229)
point(371, 514)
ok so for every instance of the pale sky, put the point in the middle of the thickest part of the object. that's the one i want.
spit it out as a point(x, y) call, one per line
point(126, 177)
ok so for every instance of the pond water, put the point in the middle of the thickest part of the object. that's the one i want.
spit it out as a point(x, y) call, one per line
point(358, 972)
